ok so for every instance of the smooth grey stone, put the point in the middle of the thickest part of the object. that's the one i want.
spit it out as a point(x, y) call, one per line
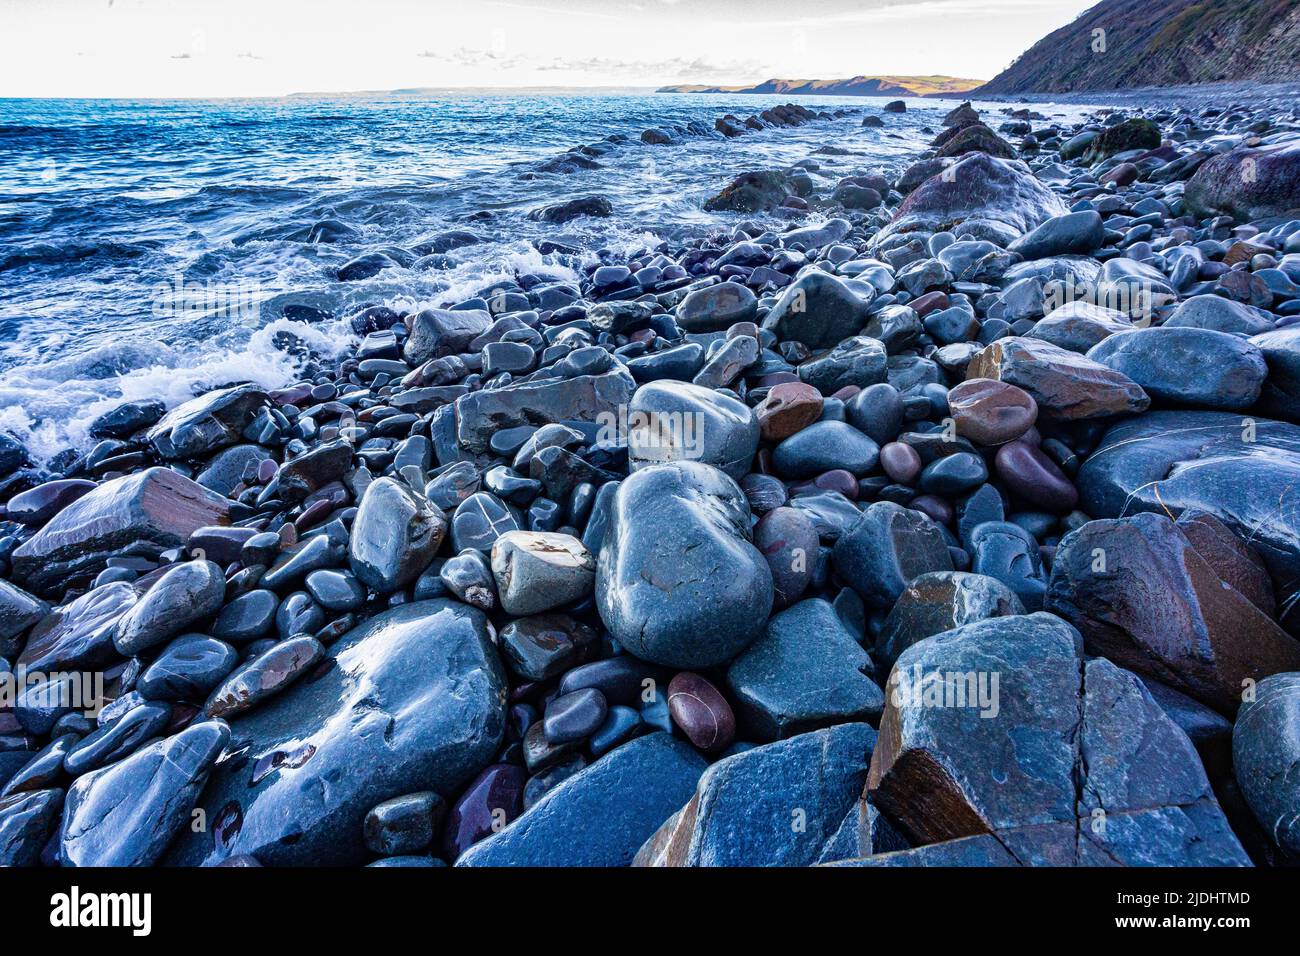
point(187, 593)
point(187, 669)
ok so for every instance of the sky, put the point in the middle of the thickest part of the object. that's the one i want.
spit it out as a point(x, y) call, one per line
point(210, 48)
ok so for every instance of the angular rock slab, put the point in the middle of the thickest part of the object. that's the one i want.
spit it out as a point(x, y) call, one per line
point(1067, 762)
point(804, 672)
point(601, 815)
point(26, 821)
point(412, 699)
point(206, 423)
point(583, 398)
point(144, 514)
point(1168, 462)
point(678, 581)
point(127, 813)
point(1144, 596)
point(940, 601)
point(1067, 386)
point(1266, 758)
point(774, 805)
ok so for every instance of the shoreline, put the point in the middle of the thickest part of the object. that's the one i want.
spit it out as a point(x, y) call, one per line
point(550, 552)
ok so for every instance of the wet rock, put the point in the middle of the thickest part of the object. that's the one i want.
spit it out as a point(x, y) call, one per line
point(823, 446)
point(1033, 477)
point(26, 821)
point(1078, 326)
point(788, 408)
point(679, 582)
point(537, 571)
point(1061, 744)
point(678, 421)
point(127, 419)
point(602, 815)
point(264, 676)
point(38, 505)
point(595, 206)
point(395, 535)
point(886, 549)
point(575, 716)
point(716, 308)
point(1248, 183)
point(1144, 597)
point(1216, 462)
point(938, 602)
point(479, 520)
point(116, 738)
point(545, 645)
point(1187, 366)
point(1220, 314)
point(774, 805)
point(18, 612)
point(1073, 234)
point(1008, 553)
point(412, 699)
point(787, 539)
point(990, 412)
point(1066, 386)
point(701, 712)
point(187, 669)
point(805, 671)
point(493, 799)
point(436, 333)
point(818, 310)
point(857, 361)
point(978, 188)
point(206, 423)
point(1132, 133)
point(583, 398)
point(756, 191)
point(1265, 753)
point(405, 824)
point(142, 514)
point(186, 594)
point(79, 635)
point(127, 814)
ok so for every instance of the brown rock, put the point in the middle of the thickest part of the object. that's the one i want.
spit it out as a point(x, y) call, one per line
point(1065, 385)
point(991, 412)
point(700, 710)
point(144, 514)
point(788, 408)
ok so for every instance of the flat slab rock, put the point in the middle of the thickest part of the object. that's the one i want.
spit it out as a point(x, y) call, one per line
point(1066, 762)
point(141, 514)
point(775, 805)
point(601, 815)
point(1240, 469)
point(411, 700)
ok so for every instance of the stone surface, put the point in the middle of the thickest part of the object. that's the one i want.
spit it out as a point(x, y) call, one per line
point(1266, 755)
point(818, 310)
point(679, 421)
point(940, 601)
point(412, 699)
point(395, 535)
point(1065, 385)
point(602, 815)
point(206, 423)
point(145, 514)
point(805, 671)
point(679, 582)
point(538, 571)
point(1151, 602)
point(774, 805)
point(1187, 366)
point(886, 549)
point(1067, 763)
point(185, 595)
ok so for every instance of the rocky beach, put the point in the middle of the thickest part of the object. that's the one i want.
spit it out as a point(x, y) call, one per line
point(924, 509)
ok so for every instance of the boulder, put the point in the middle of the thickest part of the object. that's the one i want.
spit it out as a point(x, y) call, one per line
point(413, 699)
point(395, 535)
point(678, 421)
point(1078, 326)
point(805, 671)
point(1145, 597)
point(774, 805)
point(886, 549)
point(756, 191)
point(717, 308)
point(940, 601)
point(536, 571)
point(1067, 386)
point(980, 188)
point(1265, 755)
point(127, 813)
point(679, 582)
point(436, 333)
point(1248, 183)
point(1187, 366)
point(601, 815)
point(1233, 468)
point(206, 423)
point(142, 514)
point(583, 398)
point(1002, 728)
point(818, 310)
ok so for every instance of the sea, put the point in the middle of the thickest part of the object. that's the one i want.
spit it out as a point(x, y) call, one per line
point(158, 249)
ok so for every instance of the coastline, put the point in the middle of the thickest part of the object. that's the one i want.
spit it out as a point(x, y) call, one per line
point(758, 468)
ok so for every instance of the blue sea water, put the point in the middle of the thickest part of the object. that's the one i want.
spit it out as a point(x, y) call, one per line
point(148, 248)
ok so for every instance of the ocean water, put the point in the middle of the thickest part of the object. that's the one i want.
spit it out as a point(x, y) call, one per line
point(148, 248)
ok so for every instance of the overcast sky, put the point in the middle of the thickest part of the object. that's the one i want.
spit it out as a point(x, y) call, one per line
point(166, 48)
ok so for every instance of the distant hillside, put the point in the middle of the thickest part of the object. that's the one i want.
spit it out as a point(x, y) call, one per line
point(1161, 43)
point(857, 86)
